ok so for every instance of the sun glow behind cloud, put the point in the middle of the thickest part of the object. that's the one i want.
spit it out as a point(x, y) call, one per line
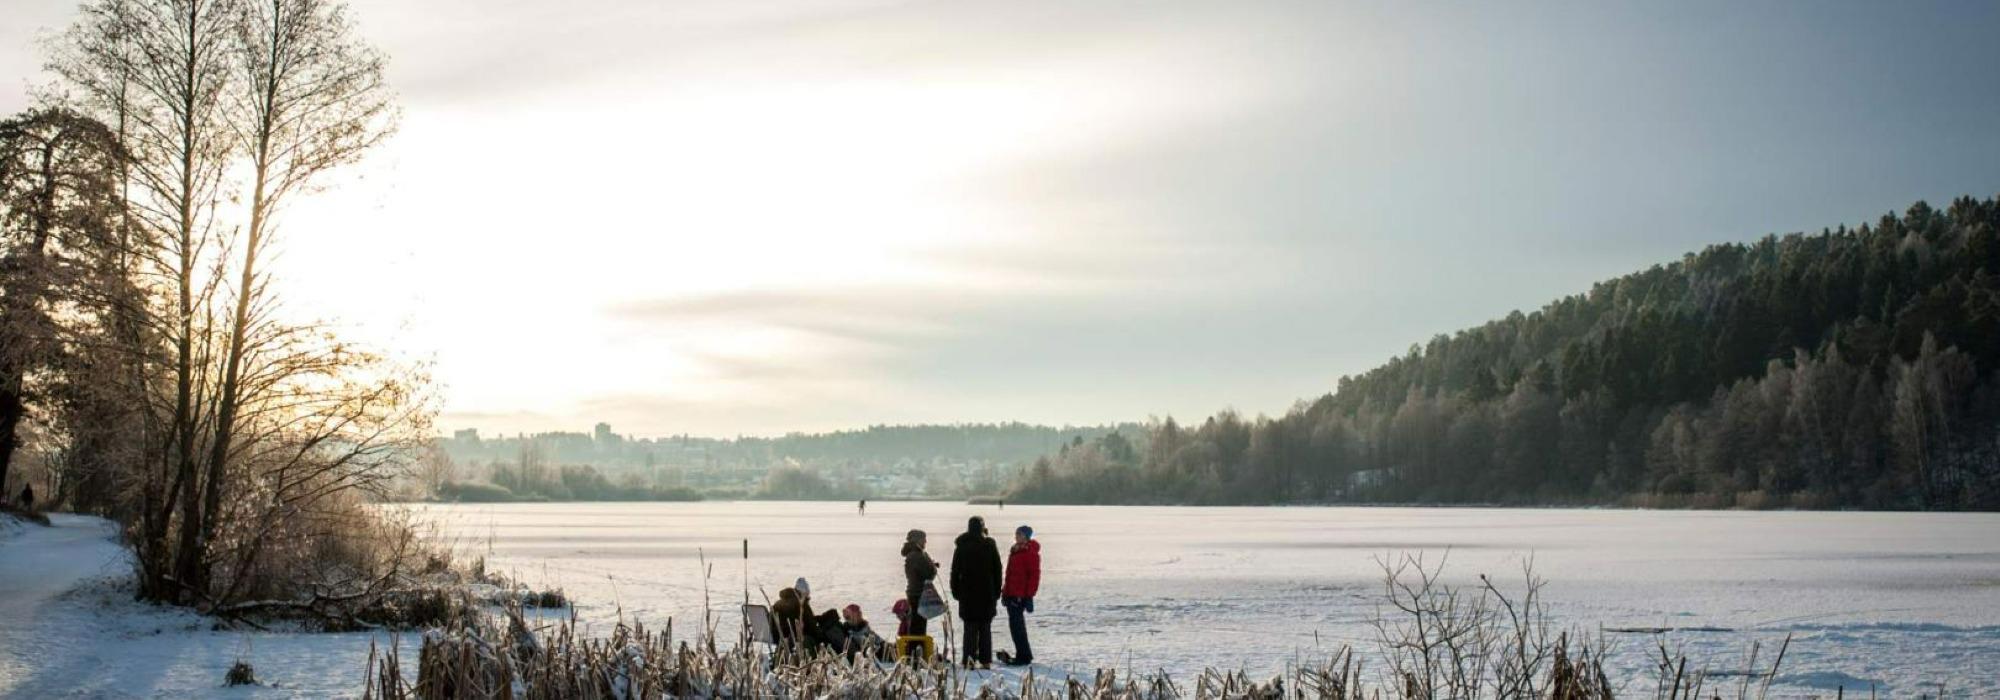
point(561, 242)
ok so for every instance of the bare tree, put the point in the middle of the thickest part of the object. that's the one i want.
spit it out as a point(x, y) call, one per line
point(310, 99)
point(326, 422)
point(260, 433)
point(435, 468)
point(1925, 417)
point(1439, 640)
point(160, 68)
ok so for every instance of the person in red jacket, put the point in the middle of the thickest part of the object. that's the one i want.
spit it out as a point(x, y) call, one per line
point(1024, 578)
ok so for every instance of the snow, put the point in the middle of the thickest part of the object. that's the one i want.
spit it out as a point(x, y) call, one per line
point(1904, 601)
point(72, 630)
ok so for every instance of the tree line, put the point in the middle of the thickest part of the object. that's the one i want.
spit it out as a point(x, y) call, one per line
point(143, 357)
point(956, 459)
point(993, 442)
point(1855, 367)
point(875, 445)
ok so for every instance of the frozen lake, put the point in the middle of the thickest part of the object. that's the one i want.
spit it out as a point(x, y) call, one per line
point(1901, 600)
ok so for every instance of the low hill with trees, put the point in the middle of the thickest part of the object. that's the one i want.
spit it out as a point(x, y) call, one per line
point(1855, 367)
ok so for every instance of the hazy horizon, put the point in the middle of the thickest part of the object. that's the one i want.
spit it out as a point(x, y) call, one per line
point(726, 219)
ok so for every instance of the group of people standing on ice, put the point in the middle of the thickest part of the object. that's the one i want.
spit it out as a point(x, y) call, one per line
point(980, 584)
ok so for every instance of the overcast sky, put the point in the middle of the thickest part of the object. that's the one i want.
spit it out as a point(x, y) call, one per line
point(750, 217)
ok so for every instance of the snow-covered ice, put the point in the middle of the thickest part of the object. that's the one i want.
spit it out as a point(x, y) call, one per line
point(1898, 600)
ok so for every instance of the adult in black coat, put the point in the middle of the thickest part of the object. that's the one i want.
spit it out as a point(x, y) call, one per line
point(791, 617)
point(975, 584)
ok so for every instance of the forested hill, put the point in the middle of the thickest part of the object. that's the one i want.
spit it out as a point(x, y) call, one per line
point(1856, 367)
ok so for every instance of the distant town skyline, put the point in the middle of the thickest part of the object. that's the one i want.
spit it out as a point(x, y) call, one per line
point(725, 219)
point(604, 432)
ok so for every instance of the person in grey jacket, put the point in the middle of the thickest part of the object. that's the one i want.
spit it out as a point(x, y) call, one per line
point(918, 569)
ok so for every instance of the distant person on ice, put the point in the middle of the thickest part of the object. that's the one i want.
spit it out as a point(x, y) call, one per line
point(918, 569)
point(1024, 578)
point(975, 584)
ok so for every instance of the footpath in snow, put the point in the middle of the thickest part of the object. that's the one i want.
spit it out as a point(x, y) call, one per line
point(69, 628)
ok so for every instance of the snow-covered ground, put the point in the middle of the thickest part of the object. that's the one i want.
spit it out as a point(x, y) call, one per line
point(1899, 601)
point(70, 629)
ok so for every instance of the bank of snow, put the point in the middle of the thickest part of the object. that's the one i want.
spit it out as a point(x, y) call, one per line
point(72, 629)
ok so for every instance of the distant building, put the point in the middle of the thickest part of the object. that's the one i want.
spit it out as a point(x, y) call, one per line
point(468, 435)
point(604, 433)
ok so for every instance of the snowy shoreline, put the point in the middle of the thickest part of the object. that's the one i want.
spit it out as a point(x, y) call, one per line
point(73, 629)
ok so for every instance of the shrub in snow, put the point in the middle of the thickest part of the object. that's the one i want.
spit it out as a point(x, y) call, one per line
point(552, 598)
point(240, 674)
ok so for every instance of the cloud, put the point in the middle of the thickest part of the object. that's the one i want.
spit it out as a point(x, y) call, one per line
point(873, 318)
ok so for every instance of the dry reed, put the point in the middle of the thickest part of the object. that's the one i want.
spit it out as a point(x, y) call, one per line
point(1434, 641)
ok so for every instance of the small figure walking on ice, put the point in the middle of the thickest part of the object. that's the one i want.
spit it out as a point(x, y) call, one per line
point(864, 506)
